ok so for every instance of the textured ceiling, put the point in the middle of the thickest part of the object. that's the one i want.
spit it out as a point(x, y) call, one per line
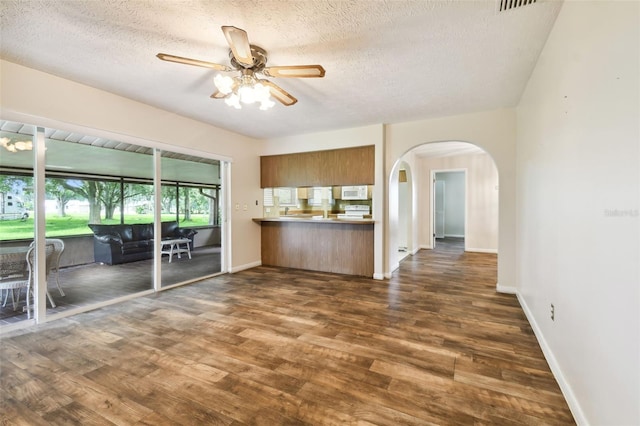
point(386, 61)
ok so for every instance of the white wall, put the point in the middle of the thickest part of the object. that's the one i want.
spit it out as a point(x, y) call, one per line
point(404, 209)
point(493, 131)
point(483, 198)
point(454, 209)
point(578, 197)
point(34, 97)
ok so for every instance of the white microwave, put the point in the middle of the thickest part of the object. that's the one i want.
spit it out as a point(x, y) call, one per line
point(354, 192)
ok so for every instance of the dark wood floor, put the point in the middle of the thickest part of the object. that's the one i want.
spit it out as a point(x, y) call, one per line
point(433, 345)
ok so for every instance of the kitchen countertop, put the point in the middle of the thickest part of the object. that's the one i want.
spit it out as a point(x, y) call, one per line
point(310, 219)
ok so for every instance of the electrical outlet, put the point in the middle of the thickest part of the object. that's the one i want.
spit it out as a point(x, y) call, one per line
point(245, 208)
point(553, 312)
point(237, 206)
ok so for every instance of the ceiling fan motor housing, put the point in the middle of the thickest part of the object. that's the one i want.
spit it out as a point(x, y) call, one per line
point(259, 59)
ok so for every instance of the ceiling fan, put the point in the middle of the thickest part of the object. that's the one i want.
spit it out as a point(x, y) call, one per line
point(250, 60)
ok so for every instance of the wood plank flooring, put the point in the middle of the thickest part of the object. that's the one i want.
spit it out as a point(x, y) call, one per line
point(271, 346)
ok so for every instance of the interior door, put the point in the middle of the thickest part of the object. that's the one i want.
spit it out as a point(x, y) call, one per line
point(439, 209)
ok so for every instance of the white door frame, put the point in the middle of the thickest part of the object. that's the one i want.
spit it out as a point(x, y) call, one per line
point(432, 203)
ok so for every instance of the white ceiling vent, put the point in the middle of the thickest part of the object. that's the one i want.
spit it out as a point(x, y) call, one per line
point(504, 5)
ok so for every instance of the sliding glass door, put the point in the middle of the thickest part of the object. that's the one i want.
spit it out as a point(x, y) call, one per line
point(98, 201)
point(191, 240)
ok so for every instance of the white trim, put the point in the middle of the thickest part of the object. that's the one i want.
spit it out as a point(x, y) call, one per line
point(250, 265)
point(157, 219)
point(225, 207)
point(378, 276)
point(424, 247)
point(572, 401)
point(39, 223)
point(506, 289)
point(101, 133)
point(191, 281)
point(482, 250)
point(453, 236)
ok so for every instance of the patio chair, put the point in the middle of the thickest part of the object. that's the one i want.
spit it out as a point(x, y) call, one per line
point(31, 254)
point(14, 275)
point(58, 246)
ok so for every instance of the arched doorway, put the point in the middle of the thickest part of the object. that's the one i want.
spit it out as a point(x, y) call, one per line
point(481, 197)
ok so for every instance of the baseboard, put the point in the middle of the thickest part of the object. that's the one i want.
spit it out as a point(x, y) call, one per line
point(378, 276)
point(425, 247)
point(569, 396)
point(506, 289)
point(414, 251)
point(481, 250)
point(453, 236)
point(239, 268)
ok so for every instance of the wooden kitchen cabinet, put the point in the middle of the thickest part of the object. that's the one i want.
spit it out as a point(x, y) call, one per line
point(348, 166)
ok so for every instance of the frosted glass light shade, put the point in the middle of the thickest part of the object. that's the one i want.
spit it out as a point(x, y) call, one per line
point(223, 83)
point(233, 100)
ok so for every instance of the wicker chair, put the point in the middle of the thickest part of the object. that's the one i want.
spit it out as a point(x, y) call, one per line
point(58, 246)
point(14, 275)
point(31, 255)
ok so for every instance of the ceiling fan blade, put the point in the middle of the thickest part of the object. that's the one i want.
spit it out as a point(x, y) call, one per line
point(301, 71)
point(239, 44)
point(217, 95)
point(189, 61)
point(279, 93)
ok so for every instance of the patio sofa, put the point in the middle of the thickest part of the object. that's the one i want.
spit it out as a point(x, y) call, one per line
point(116, 244)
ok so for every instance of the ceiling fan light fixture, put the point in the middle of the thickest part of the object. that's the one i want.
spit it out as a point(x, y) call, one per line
point(233, 100)
point(250, 60)
point(266, 104)
point(16, 146)
point(247, 94)
point(223, 83)
point(245, 89)
point(262, 92)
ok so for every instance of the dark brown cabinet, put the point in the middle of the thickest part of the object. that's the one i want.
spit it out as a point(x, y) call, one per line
point(348, 166)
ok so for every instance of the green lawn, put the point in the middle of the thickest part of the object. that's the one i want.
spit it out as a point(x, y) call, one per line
point(77, 225)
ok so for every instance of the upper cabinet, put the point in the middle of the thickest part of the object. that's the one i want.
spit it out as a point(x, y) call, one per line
point(348, 166)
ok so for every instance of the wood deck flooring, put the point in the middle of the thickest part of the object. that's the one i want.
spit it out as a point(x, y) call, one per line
point(271, 346)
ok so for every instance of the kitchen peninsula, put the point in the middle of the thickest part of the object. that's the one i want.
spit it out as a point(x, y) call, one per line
point(329, 245)
point(312, 220)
